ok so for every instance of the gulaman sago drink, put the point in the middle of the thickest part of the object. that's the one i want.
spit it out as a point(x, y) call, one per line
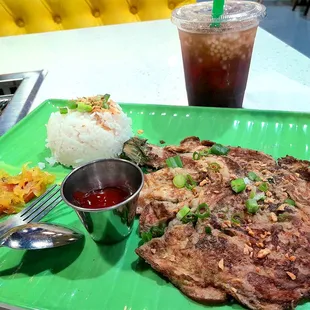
point(217, 56)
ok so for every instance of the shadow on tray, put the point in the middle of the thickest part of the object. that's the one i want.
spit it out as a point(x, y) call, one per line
point(71, 262)
point(145, 270)
point(112, 253)
point(32, 263)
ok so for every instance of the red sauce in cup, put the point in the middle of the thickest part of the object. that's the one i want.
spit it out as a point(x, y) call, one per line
point(101, 198)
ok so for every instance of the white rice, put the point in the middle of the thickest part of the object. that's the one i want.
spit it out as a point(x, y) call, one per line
point(76, 138)
point(51, 160)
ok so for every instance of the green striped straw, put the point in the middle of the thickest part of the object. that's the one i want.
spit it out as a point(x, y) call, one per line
point(217, 11)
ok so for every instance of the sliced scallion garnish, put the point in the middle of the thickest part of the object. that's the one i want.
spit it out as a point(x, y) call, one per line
point(235, 219)
point(82, 107)
point(189, 186)
point(215, 167)
point(253, 176)
point(263, 187)
point(189, 218)
point(154, 232)
point(219, 149)
point(183, 212)
point(105, 106)
point(63, 110)
point(253, 193)
point(290, 202)
point(196, 155)
point(174, 162)
point(246, 181)
point(237, 185)
point(105, 103)
point(259, 196)
point(204, 152)
point(252, 206)
point(205, 211)
point(190, 183)
point(146, 236)
point(208, 230)
point(72, 105)
point(179, 180)
point(158, 231)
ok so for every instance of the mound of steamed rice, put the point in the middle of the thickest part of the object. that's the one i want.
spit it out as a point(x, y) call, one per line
point(76, 138)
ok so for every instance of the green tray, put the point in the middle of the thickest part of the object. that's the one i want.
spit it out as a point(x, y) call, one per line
point(88, 276)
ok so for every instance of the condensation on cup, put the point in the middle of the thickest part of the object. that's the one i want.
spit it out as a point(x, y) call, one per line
point(217, 51)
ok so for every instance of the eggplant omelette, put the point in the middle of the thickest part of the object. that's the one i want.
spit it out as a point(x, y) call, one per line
point(223, 221)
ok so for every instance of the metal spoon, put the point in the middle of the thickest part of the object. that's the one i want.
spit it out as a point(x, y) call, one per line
point(37, 236)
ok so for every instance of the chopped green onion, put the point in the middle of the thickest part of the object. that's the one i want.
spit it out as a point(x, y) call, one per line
point(63, 110)
point(82, 107)
point(179, 181)
point(146, 236)
point(252, 206)
point(219, 149)
point(246, 181)
point(190, 179)
point(72, 105)
point(235, 219)
point(214, 167)
point(174, 162)
point(158, 231)
point(259, 196)
point(88, 108)
point(263, 187)
point(253, 193)
point(190, 184)
point(189, 218)
point(105, 104)
point(290, 202)
point(204, 152)
point(196, 155)
point(208, 230)
point(183, 212)
point(154, 232)
point(203, 207)
point(253, 176)
point(237, 185)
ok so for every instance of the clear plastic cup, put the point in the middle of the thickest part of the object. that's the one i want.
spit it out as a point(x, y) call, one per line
point(217, 51)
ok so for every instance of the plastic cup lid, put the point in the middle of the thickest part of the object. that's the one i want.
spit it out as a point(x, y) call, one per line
point(237, 15)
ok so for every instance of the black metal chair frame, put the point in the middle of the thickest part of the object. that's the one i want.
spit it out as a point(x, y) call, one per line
point(302, 2)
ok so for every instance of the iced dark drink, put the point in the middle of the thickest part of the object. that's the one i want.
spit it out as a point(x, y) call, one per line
point(217, 55)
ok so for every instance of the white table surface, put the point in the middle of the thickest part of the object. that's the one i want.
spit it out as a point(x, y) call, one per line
point(141, 63)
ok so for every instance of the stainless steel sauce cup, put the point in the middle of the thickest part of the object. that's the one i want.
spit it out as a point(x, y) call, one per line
point(112, 224)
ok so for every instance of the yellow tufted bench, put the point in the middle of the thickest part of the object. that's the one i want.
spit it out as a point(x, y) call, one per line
point(30, 16)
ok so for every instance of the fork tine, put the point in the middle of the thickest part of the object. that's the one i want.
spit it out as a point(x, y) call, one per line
point(40, 207)
point(49, 207)
point(39, 199)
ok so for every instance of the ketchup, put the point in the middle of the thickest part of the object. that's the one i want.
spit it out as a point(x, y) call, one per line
point(101, 198)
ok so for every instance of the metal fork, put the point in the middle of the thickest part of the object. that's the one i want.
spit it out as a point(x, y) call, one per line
point(35, 211)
